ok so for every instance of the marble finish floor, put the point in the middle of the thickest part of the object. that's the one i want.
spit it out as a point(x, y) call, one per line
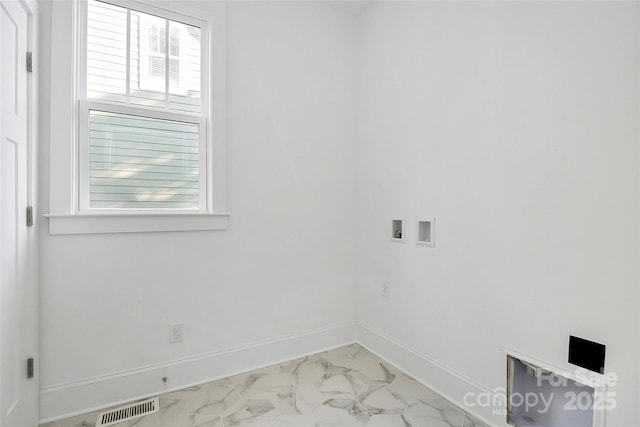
point(345, 387)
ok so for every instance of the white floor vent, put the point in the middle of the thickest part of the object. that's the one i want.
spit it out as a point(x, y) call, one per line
point(128, 412)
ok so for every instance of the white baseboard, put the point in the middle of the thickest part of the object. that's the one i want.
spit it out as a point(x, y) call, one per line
point(78, 397)
point(447, 382)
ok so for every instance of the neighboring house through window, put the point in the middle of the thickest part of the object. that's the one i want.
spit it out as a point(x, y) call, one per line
point(153, 50)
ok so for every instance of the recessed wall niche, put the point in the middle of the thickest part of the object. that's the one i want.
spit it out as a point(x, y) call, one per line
point(539, 395)
point(397, 230)
point(425, 235)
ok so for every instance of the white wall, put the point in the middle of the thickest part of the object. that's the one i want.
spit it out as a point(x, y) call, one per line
point(516, 126)
point(286, 263)
point(513, 124)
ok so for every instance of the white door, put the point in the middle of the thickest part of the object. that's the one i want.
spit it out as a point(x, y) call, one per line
point(18, 298)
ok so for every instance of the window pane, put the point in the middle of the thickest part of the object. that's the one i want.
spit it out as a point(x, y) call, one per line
point(155, 55)
point(106, 52)
point(174, 42)
point(184, 67)
point(148, 60)
point(174, 73)
point(140, 162)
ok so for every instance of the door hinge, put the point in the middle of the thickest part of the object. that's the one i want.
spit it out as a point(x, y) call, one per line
point(29, 216)
point(30, 367)
point(30, 62)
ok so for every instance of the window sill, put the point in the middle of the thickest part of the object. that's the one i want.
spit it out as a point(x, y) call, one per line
point(135, 223)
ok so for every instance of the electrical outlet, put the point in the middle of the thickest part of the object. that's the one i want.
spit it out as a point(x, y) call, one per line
point(175, 333)
point(384, 290)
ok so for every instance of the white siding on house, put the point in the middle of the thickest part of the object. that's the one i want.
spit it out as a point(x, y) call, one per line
point(107, 60)
point(106, 52)
point(140, 162)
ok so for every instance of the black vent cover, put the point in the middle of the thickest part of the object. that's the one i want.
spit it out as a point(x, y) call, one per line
point(586, 354)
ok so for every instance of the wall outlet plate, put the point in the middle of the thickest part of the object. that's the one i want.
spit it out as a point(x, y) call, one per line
point(385, 292)
point(175, 333)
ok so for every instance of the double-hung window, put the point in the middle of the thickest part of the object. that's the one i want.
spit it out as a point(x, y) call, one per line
point(147, 148)
point(143, 126)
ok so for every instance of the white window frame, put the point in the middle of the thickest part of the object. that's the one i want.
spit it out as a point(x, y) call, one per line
point(66, 96)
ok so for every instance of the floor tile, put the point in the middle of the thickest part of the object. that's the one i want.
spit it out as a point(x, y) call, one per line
point(345, 387)
point(433, 414)
point(407, 389)
point(386, 420)
point(342, 412)
point(381, 400)
point(250, 412)
point(293, 421)
point(470, 421)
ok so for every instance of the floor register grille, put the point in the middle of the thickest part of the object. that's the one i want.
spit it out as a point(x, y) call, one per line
point(128, 412)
